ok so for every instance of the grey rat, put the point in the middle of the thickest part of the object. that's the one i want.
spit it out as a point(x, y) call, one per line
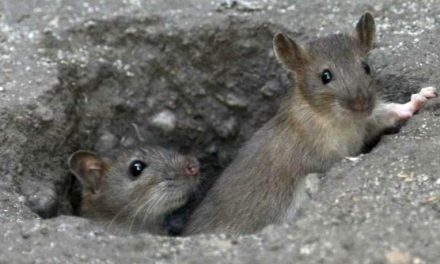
point(330, 113)
point(135, 191)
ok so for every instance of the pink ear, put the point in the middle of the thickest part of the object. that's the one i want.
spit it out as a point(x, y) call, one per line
point(89, 168)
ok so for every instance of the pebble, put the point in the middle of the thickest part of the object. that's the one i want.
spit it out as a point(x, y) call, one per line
point(235, 101)
point(45, 113)
point(270, 89)
point(398, 257)
point(228, 128)
point(165, 120)
point(106, 142)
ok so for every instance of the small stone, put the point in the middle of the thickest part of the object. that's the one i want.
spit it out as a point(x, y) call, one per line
point(90, 24)
point(235, 101)
point(83, 258)
point(131, 31)
point(228, 128)
point(353, 159)
point(106, 142)
point(21, 199)
point(25, 234)
point(307, 249)
point(212, 149)
point(45, 113)
point(417, 260)
point(242, 5)
point(44, 229)
point(312, 183)
point(432, 199)
point(270, 89)
point(398, 257)
point(165, 120)
point(222, 245)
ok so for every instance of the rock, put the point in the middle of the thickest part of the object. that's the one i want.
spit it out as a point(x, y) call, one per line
point(44, 113)
point(165, 120)
point(106, 142)
point(398, 257)
point(271, 88)
point(41, 199)
point(235, 101)
point(228, 128)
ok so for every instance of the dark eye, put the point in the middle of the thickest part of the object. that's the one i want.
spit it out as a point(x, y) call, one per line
point(366, 68)
point(326, 76)
point(136, 168)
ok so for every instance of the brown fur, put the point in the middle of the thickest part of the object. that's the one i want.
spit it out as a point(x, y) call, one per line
point(111, 195)
point(314, 128)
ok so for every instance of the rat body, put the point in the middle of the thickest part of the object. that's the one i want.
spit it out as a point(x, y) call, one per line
point(137, 190)
point(330, 114)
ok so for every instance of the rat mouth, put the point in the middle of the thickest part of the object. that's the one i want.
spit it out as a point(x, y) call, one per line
point(177, 198)
point(359, 107)
point(363, 112)
point(181, 188)
point(347, 113)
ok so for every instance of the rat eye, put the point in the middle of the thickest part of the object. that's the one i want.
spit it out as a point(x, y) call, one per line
point(326, 76)
point(366, 68)
point(136, 168)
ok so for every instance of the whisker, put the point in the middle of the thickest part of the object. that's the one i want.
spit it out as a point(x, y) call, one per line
point(150, 204)
point(116, 217)
point(170, 203)
point(122, 209)
point(141, 207)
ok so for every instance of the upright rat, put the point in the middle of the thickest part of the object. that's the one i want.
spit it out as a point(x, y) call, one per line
point(331, 112)
point(137, 190)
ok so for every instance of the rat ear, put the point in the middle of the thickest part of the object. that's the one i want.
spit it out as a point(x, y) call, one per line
point(366, 31)
point(89, 168)
point(289, 53)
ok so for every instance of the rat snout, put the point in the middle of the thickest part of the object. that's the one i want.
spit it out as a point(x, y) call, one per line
point(192, 168)
point(361, 105)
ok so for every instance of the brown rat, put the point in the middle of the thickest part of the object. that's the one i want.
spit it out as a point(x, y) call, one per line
point(135, 191)
point(331, 113)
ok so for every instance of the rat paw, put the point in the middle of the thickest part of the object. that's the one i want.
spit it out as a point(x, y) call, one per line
point(429, 92)
point(418, 100)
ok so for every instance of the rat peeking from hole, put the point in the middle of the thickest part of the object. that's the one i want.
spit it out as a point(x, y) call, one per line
point(135, 191)
point(330, 113)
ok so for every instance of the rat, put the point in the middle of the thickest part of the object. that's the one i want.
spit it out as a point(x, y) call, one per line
point(330, 113)
point(136, 190)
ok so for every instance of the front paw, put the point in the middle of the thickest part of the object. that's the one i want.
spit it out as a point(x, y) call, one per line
point(418, 100)
point(429, 92)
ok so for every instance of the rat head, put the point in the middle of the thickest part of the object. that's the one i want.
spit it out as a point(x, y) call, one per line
point(143, 183)
point(331, 72)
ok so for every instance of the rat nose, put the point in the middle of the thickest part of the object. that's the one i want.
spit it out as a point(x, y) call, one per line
point(361, 105)
point(192, 169)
